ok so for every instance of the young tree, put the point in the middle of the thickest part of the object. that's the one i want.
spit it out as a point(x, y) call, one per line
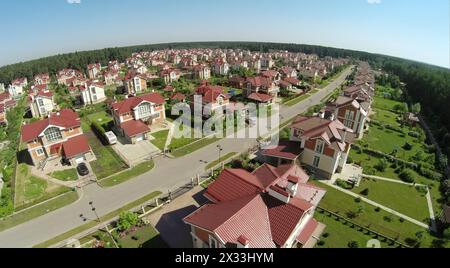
point(127, 220)
point(416, 108)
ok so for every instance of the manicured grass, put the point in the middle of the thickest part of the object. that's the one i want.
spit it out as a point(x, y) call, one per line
point(220, 160)
point(146, 237)
point(368, 163)
point(384, 104)
point(31, 190)
point(386, 141)
point(65, 175)
point(160, 139)
point(92, 224)
point(108, 162)
point(339, 234)
point(194, 146)
point(100, 117)
point(399, 197)
point(39, 210)
point(382, 222)
point(297, 100)
point(385, 116)
point(127, 175)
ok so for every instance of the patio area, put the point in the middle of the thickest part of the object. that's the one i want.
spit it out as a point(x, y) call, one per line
point(134, 154)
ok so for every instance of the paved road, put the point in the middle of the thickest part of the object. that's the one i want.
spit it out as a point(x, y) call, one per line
point(167, 174)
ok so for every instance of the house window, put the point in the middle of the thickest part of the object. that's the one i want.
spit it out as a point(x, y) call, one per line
point(319, 147)
point(212, 242)
point(40, 152)
point(53, 134)
point(93, 90)
point(144, 110)
point(316, 161)
point(349, 117)
point(137, 85)
point(40, 102)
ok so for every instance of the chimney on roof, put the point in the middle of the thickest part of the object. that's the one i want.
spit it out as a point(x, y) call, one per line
point(126, 96)
point(292, 186)
point(322, 114)
point(279, 193)
point(243, 242)
point(332, 117)
point(344, 138)
point(58, 114)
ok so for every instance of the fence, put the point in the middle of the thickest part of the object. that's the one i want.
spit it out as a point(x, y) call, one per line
point(363, 229)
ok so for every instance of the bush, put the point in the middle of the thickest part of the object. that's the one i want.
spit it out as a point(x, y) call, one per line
point(326, 235)
point(358, 200)
point(321, 243)
point(127, 220)
point(387, 219)
point(353, 244)
point(365, 192)
point(414, 134)
point(344, 184)
point(377, 209)
point(382, 165)
point(408, 176)
point(408, 146)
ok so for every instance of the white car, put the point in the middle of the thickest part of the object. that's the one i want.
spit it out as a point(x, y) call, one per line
point(111, 137)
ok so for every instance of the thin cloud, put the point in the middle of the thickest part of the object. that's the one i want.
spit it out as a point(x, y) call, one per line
point(374, 2)
point(74, 1)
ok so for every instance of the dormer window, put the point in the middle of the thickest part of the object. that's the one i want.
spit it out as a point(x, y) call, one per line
point(53, 134)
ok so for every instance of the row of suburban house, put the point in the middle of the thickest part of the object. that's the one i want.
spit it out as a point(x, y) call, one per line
point(274, 205)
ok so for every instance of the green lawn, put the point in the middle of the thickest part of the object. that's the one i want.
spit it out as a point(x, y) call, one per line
point(100, 117)
point(386, 141)
point(65, 175)
point(144, 237)
point(127, 175)
point(194, 145)
point(220, 160)
point(100, 235)
point(92, 224)
point(368, 164)
point(399, 197)
point(297, 100)
point(108, 162)
point(382, 222)
point(160, 139)
point(385, 116)
point(31, 190)
point(339, 234)
point(38, 210)
point(384, 104)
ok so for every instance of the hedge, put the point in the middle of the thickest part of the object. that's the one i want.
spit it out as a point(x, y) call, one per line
point(421, 170)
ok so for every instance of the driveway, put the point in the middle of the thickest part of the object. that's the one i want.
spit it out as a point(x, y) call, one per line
point(134, 154)
point(169, 220)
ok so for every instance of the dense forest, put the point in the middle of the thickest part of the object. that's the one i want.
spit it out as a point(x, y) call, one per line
point(427, 84)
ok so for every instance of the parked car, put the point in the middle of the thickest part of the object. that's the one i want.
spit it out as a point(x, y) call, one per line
point(111, 137)
point(82, 169)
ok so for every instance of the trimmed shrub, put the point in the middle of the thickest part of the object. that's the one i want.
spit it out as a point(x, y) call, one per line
point(408, 176)
point(365, 192)
point(353, 244)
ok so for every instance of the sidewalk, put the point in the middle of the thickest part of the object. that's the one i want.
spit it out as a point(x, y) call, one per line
point(407, 218)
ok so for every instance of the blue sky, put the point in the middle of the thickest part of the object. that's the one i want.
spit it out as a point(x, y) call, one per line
point(414, 29)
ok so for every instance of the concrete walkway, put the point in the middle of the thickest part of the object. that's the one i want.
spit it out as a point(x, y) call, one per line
point(428, 196)
point(407, 218)
point(42, 175)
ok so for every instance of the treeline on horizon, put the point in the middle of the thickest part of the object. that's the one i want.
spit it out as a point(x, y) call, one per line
point(427, 84)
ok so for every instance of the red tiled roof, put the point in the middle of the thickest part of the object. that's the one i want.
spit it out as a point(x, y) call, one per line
point(129, 104)
point(4, 96)
point(286, 149)
point(134, 127)
point(260, 97)
point(76, 146)
point(244, 217)
point(178, 96)
point(210, 93)
point(307, 231)
point(292, 80)
point(232, 184)
point(65, 118)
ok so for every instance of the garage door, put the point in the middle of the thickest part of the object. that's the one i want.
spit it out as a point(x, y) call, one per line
point(140, 137)
point(79, 160)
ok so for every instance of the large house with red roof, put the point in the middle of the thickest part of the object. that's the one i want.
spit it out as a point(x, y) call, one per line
point(323, 145)
point(42, 79)
point(94, 70)
point(268, 208)
point(261, 85)
point(57, 136)
point(351, 112)
point(93, 92)
point(133, 116)
point(41, 101)
point(17, 86)
point(6, 102)
point(135, 83)
point(70, 77)
point(214, 98)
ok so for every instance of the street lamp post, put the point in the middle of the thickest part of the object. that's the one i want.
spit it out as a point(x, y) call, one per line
point(98, 219)
point(220, 151)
